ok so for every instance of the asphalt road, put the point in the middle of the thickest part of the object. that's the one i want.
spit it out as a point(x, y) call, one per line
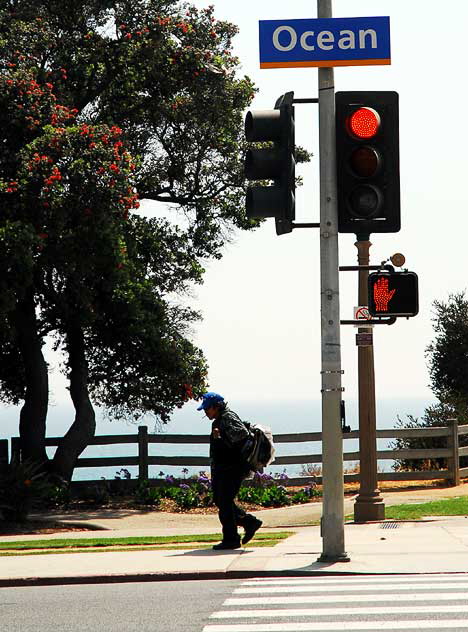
point(362, 603)
point(182, 606)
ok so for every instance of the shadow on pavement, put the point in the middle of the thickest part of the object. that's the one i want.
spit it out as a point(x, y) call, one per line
point(210, 552)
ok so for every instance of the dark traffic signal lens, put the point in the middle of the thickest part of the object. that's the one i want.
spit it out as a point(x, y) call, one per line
point(365, 162)
point(365, 201)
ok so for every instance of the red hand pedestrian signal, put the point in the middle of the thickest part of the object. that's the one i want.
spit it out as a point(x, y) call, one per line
point(400, 300)
point(382, 295)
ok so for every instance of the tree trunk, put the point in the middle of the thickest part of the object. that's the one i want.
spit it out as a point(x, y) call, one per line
point(83, 428)
point(33, 414)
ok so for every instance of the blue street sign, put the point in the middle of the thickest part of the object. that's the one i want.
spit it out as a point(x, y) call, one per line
point(324, 42)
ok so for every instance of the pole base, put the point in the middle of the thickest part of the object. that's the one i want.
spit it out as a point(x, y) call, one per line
point(329, 559)
point(369, 511)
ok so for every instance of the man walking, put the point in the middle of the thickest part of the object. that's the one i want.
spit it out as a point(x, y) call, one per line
point(228, 470)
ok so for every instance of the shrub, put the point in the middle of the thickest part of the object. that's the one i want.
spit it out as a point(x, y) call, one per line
point(23, 486)
point(186, 497)
point(304, 495)
point(253, 495)
point(276, 496)
point(146, 495)
point(436, 415)
point(58, 494)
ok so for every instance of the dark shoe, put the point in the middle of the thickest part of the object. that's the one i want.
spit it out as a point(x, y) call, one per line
point(251, 530)
point(222, 546)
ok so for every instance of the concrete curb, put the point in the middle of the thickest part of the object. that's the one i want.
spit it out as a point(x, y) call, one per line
point(196, 576)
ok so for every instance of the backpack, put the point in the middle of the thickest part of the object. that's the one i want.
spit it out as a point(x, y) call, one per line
point(258, 450)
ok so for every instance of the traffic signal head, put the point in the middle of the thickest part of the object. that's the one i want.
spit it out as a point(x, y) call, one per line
point(275, 162)
point(367, 160)
point(393, 294)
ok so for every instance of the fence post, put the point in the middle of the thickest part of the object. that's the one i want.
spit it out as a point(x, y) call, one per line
point(454, 460)
point(142, 452)
point(3, 455)
point(16, 449)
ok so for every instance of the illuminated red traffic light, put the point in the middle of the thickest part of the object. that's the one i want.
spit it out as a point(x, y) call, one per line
point(364, 123)
point(367, 162)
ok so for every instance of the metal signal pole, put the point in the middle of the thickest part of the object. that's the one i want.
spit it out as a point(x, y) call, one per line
point(332, 525)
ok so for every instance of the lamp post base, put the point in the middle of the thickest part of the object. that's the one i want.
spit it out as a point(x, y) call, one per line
point(369, 509)
point(330, 559)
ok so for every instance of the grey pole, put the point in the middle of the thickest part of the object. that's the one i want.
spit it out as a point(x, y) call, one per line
point(332, 525)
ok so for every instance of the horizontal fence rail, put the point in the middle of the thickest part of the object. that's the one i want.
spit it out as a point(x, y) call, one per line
point(451, 452)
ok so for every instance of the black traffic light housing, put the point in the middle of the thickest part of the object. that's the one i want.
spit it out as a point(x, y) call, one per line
point(368, 162)
point(393, 294)
point(276, 163)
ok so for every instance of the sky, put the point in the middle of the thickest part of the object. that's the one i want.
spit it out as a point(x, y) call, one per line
point(261, 303)
point(262, 338)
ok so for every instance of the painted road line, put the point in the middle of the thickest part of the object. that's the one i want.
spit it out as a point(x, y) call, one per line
point(370, 597)
point(332, 612)
point(347, 588)
point(267, 581)
point(340, 626)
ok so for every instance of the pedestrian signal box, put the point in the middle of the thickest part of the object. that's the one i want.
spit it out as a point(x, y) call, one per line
point(393, 294)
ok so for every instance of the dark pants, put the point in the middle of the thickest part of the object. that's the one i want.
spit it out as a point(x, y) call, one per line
point(226, 481)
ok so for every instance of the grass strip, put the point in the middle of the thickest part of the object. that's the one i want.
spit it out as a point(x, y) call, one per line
point(164, 547)
point(265, 539)
point(457, 506)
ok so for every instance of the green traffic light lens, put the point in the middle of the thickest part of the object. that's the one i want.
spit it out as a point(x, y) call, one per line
point(365, 201)
point(365, 162)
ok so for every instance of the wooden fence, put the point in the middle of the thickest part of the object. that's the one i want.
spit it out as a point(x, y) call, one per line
point(452, 452)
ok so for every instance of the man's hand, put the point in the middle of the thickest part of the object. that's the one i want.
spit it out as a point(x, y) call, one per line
point(216, 433)
point(382, 296)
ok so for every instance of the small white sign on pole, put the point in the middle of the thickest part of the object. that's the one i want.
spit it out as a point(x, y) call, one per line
point(362, 313)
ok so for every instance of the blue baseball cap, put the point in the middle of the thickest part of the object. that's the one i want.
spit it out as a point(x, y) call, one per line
point(210, 399)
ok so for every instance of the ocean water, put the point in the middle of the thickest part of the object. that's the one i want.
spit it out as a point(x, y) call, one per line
point(281, 416)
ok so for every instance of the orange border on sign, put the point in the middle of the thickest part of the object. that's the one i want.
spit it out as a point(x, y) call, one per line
point(336, 62)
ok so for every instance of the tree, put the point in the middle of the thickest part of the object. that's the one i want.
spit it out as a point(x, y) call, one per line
point(448, 368)
point(448, 353)
point(103, 103)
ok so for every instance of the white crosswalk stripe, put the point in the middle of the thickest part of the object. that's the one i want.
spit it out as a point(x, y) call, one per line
point(388, 603)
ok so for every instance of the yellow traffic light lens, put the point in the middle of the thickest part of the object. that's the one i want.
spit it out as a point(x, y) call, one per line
point(364, 123)
point(365, 162)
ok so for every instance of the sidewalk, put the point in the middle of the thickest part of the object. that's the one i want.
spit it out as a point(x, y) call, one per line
point(438, 545)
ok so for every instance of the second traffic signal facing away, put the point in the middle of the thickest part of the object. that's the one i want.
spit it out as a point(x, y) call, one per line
point(275, 162)
point(367, 159)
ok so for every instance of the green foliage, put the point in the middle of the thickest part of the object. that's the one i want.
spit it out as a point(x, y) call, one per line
point(146, 495)
point(58, 494)
point(253, 495)
point(448, 365)
point(448, 353)
point(23, 486)
point(304, 495)
point(103, 103)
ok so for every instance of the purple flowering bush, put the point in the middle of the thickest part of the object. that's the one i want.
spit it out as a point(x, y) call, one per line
point(264, 490)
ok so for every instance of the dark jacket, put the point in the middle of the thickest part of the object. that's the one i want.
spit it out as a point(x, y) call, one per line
point(227, 449)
